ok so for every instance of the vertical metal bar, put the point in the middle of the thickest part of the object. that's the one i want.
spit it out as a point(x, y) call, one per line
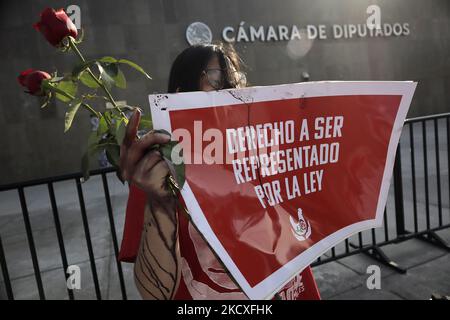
point(59, 235)
point(448, 157)
point(398, 194)
point(360, 240)
point(386, 226)
point(347, 248)
point(333, 252)
point(88, 238)
point(5, 272)
point(438, 170)
point(374, 237)
point(425, 161)
point(413, 172)
point(34, 259)
point(113, 234)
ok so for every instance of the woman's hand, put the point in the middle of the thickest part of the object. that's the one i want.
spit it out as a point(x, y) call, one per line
point(142, 166)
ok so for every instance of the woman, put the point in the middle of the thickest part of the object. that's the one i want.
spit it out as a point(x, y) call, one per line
point(173, 261)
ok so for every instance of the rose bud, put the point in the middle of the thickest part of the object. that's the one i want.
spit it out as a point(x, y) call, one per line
point(32, 80)
point(55, 26)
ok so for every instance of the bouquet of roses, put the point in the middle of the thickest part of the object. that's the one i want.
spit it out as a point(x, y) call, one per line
point(98, 76)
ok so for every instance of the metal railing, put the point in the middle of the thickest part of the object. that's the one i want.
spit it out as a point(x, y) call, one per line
point(402, 233)
point(77, 178)
point(351, 246)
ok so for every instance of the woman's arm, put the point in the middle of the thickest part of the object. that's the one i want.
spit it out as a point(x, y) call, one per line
point(157, 266)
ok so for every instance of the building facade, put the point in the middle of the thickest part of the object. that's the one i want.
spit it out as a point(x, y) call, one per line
point(280, 42)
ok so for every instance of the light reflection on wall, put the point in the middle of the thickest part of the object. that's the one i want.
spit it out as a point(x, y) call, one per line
point(297, 49)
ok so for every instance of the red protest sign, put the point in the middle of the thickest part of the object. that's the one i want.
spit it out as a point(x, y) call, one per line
point(275, 176)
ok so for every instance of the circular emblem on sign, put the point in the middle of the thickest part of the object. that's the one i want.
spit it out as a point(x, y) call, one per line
point(198, 33)
point(301, 228)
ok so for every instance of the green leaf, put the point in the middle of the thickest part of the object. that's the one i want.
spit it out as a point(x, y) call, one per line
point(67, 86)
point(48, 87)
point(56, 79)
point(110, 68)
point(181, 177)
point(179, 168)
point(166, 151)
point(105, 78)
point(93, 140)
point(87, 80)
point(92, 149)
point(113, 154)
point(108, 60)
point(82, 67)
point(120, 80)
point(121, 129)
point(134, 66)
point(70, 114)
point(116, 118)
point(113, 71)
point(102, 126)
point(47, 99)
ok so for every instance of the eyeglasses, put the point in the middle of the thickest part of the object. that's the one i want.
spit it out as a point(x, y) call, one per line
point(216, 78)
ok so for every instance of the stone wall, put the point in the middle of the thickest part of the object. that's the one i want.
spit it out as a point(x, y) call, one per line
point(153, 32)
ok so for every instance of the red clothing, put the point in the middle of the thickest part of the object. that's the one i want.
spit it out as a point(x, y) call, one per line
point(202, 275)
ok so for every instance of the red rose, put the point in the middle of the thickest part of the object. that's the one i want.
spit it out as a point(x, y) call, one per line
point(55, 26)
point(32, 80)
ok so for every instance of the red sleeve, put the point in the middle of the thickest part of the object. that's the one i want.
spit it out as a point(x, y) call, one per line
point(134, 220)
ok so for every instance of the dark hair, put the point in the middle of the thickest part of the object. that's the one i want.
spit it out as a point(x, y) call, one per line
point(189, 65)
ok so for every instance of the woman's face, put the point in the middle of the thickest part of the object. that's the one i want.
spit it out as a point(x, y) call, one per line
point(211, 75)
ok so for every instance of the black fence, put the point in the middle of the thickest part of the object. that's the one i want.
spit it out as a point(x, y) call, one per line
point(400, 223)
point(429, 145)
point(77, 179)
